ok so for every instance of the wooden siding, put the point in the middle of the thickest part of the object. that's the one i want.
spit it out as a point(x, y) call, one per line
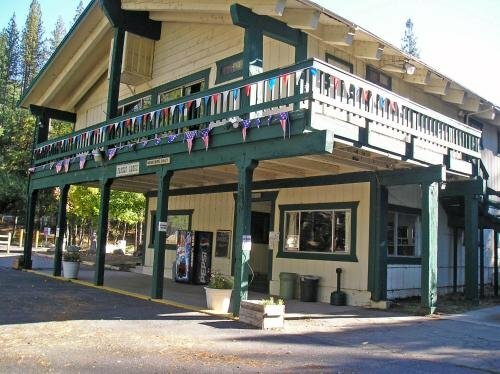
point(318, 49)
point(183, 49)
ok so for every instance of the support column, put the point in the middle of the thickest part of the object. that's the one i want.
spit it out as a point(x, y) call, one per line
point(377, 268)
point(164, 177)
point(253, 52)
point(30, 223)
point(495, 263)
point(481, 263)
point(100, 256)
point(115, 72)
point(430, 207)
point(60, 229)
point(455, 259)
point(471, 253)
point(243, 232)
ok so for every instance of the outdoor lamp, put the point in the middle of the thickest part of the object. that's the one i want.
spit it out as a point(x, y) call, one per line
point(98, 157)
point(409, 68)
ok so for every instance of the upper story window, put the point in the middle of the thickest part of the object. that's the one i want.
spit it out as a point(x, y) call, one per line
point(403, 234)
point(339, 63)
point(135, 105)
point(376, 76)
point(180, 91)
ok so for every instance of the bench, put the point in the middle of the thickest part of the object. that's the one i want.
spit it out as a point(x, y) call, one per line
point(5, 240)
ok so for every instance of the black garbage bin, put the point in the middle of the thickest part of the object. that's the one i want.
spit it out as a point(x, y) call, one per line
point(309, 288)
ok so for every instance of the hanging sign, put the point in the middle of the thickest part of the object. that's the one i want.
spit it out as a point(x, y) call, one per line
point(57, 232)
point(127, 169)
point(247, 243)
point(158, 161)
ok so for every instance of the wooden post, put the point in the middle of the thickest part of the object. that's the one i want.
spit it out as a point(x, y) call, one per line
point(455, 259)
point(495, 264)
point(471, 253)
point(115, 72)
point(243, 231)
point(377, 268)
point(100, 256)
point(164, 177)
point(430, 207)
point(21, 234)
point(481, 263)
point(60, 229)
point(30, 223)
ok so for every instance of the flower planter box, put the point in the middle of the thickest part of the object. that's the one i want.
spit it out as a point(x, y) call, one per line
point(255, 313)
point(218, 300)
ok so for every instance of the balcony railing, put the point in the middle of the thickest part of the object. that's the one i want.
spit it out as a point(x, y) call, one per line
point(303, 85)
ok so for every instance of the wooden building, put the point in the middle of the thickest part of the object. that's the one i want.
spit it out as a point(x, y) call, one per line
point(309, 142)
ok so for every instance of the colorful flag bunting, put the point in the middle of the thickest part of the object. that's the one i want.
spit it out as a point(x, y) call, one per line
point(171, 138)
point(235, 93)
point(248, 90)
point(58, 166)
point(272, 83)
point(198, 102)
point(111, 153)
point(205, 136)
point(283, 123)
point(189, 138)
point(245, 124)
point(284, 79)
point(83, 159)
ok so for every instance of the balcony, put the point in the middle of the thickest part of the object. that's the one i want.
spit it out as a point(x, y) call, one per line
point(360, 115)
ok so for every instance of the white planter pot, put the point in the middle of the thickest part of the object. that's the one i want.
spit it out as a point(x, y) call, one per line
point(218, 300)
point(70, 269)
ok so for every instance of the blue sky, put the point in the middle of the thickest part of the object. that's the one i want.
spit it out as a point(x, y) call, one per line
point(457, 37)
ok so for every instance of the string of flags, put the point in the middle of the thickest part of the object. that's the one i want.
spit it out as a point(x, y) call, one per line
point(188, 137)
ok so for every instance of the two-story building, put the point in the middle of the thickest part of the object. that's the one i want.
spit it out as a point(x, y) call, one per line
point(308, 141)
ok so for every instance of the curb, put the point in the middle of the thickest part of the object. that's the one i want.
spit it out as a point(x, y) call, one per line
point(137, 296)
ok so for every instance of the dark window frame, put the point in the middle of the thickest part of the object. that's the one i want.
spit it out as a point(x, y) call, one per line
point(152, 229)
point(329, 56)
point(334, 256)
point(378, 73)
point(222, 77)
point(396, 259)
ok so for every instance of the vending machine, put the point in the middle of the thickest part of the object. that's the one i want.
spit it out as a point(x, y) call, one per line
point(194, 256)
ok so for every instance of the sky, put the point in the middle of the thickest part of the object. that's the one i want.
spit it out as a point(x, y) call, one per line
point(457, 37)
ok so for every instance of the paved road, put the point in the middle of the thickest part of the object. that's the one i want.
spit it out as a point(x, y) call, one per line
point(52, 326)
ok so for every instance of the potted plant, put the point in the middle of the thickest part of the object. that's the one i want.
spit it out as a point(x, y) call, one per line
point(71, 264)
point(264, 314)
point(218, 292)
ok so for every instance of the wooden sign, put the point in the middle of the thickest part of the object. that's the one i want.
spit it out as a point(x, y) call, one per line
point(158, 161)
point(127, 169)
point(222, 243)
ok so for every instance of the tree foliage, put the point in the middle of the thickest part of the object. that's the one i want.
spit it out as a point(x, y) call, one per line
point(409, 40)
point(32, 45)
point(79, 11)
point(57, 35)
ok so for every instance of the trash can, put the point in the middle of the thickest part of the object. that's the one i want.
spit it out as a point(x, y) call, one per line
point(287, 285)
point(309, 288)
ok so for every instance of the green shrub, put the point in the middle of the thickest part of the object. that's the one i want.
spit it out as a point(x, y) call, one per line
point(71, 256)
point(221, 282)
point(272, 301)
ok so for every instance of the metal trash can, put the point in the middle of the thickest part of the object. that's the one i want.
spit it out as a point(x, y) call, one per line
point(287, 285)
point(309, 288)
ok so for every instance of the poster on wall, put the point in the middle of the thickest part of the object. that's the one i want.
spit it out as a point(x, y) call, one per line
point(222, 243)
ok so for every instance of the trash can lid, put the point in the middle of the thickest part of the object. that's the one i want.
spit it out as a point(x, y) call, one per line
point(288, 275)
point(309, 277)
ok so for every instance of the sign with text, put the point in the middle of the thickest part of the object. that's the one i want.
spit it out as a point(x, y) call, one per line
point(247, 243)
point(222, 243)
point(162, 226)
point(127, 169)
point(158, 161)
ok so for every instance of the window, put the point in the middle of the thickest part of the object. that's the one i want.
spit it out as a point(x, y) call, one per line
point(176, 220)
point(135, 105)
point(180, 91)
point(376, 76)
point(319, 231)
point(339, 63)
point(403, 234)
point(229, 68)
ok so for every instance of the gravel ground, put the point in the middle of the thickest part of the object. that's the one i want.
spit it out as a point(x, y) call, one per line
point(48, 325)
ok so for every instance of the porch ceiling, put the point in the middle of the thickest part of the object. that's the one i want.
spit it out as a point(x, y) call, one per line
point(344, 159)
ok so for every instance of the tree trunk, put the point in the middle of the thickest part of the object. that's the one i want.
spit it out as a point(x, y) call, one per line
point(140, 233)
point(124, 230)
point(136, 241)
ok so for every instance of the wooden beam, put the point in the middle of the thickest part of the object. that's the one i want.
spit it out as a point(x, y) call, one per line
point(115, 73)
point(334, 35)
point(177, 16)
point(463, 188)
point(438, 86)
point(90, 80)
point(306, 19)
point(486, 113)
point(471, 252)
point(53, 113)
point(429, 174)
point(368, 50)
point(471, 104)
point(100, 257)
point(454, 96)
point(60, 229)
point(136, 22)
point(30, 225)
point(421, 76)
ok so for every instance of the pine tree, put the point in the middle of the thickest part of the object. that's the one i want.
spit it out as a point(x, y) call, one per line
point(57, 35)
point(409, 40)
point(33, 46)
point(12, 50)
point(79, 10)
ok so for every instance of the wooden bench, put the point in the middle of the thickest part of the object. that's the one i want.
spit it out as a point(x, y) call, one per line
point(5, 240)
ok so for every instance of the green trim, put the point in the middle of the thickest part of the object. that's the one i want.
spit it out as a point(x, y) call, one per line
point(115, 73)
point(419, 175)
point(402, 260)
point(340, 61)
point(221, 77)
point(57, 50)
point(175, 212)
point(155, 91)
point(348, 257)
point(60, 115)
point(404, 209)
